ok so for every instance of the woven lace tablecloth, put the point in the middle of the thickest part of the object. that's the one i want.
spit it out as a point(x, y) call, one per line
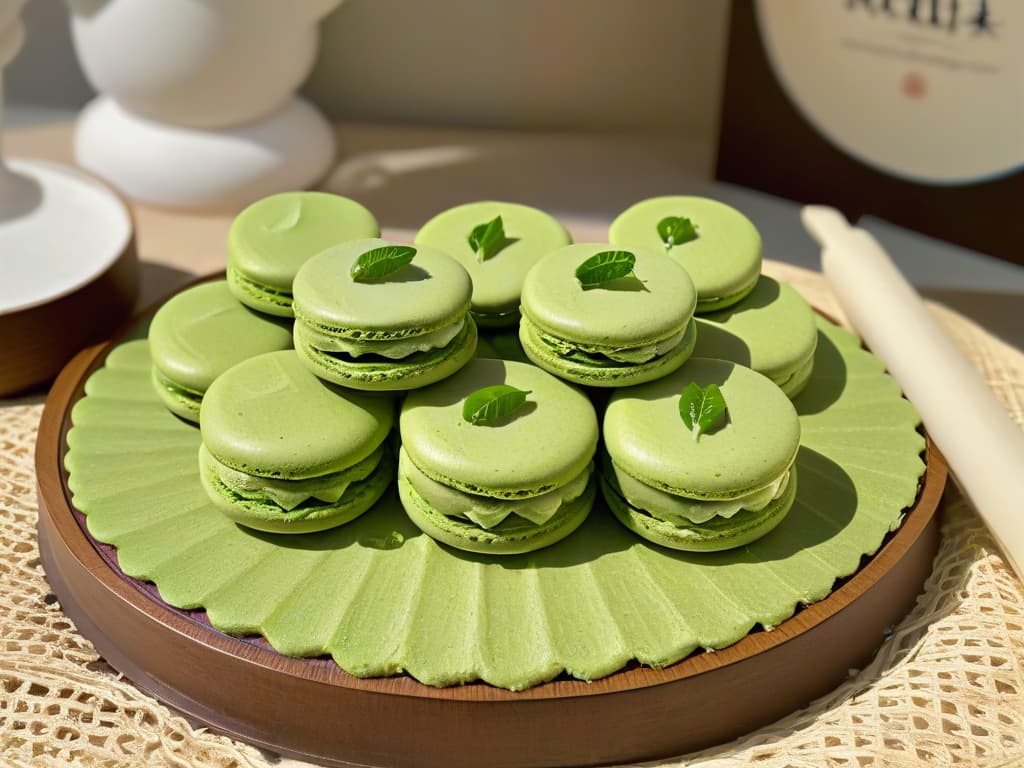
point(947, 688)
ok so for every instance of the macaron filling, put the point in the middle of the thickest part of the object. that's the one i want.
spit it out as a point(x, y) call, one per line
point(489, 511)
point(260, 296)
point(684, 510)
point(289, 494)
point(397, 349)
point(602, 355)
point(184, 397)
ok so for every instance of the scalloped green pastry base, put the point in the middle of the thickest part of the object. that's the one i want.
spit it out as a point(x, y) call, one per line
point(381, 597)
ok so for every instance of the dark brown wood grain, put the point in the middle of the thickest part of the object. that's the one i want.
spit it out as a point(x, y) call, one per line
point(317, 711)
point(37, 342)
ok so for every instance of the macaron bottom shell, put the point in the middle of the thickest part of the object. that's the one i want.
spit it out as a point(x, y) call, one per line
point(311, 516)
point(794, 384)
point(715, 535)
point(256, 295)
point(416, 370)
point(598, 373)
point(179, 401)
point(513, 536)
point(714, 304)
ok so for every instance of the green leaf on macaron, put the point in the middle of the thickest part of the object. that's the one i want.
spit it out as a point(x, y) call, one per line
point(676, 230)
point(381, 262)
point(603, 267)
point(701, 409)
point(489, 404)
point(488, 238)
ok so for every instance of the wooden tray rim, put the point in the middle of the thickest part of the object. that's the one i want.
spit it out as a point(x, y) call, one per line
point(55, 501)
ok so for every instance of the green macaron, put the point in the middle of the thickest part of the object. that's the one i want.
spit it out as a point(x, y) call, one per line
point(718, 245)
point(271, 239)
point(200, 333)
point(701, 490)
point(403, 330)
point(496, 481)
point(497, 243)
point(625, 331)
point(772, 331)
point(286, 452)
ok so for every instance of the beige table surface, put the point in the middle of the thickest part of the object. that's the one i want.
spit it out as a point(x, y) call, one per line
point(947, 688)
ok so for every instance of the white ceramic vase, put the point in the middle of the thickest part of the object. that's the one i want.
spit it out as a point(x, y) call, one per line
point(197, 104)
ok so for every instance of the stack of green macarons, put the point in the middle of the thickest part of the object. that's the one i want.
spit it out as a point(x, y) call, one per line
point(743, 315)
point(693, 349)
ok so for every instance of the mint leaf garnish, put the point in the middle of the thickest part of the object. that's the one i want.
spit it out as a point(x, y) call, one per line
point(381, 262)
point(700, 409)
point(676, 230)
point(488, 238)
point(605, 266)
point(489, 404)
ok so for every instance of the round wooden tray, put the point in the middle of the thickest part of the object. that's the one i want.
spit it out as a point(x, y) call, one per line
point(312, 709)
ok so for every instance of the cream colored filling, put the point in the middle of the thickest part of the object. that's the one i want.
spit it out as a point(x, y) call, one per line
point(484, 511)
point(392, 350)
point(288, 494)
point(633, 355)
point(681, 510)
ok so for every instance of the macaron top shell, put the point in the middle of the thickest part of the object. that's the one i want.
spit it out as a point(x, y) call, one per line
point(429, 293)
point(273, 237)
point(544, 444)
point(772, 330)
point(270, 416)
point(497, 281)
point(656, 301)
point(646, 437)
point(204, 330)
point(723, 260)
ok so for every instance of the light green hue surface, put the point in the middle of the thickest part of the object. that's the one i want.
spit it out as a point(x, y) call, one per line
point(273, 237)
point(772, 331)
point(382, 375)
point(725, 259)
point(645, 436)
point(204, 330)
point(497, 282)
point(543, 444)
point(381, 597)
point(429, 293)
point(654, 303)
point(270, 416)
